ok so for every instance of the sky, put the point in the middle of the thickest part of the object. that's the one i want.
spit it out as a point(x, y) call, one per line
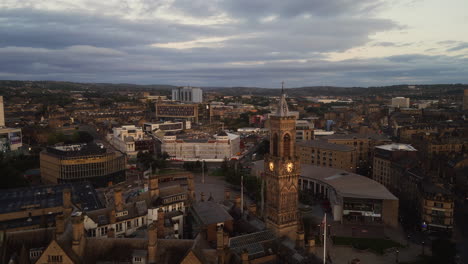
point(236, 42)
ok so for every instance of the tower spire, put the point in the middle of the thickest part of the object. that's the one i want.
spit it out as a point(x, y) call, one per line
point(282, 87)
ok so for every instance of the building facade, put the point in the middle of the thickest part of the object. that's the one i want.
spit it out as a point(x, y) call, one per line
point(437, 208)
point(386, 158)
point(304, 130)
point(400, 102)
point(281, 172)
point(363, 143)
point(177, 111)
point(201, 147)
point(187, 94)
point(324, 154)
point(130, 140)
point(86, 162)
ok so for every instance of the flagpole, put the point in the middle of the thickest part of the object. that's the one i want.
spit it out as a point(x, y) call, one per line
point(325, 240)
point(242, 194)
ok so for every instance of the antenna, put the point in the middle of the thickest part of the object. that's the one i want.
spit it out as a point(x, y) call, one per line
point(282, 87)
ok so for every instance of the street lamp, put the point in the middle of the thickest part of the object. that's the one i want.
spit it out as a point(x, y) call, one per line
point(408, 241)
point(422, 248)
point(396, 255)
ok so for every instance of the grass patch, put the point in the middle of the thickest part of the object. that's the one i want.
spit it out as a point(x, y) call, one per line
point(376, 245)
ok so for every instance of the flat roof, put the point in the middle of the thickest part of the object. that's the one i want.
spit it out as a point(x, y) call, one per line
point(357, 136)
point(396, 147)
point(347, 184)
point(47, 196)
point(325, 145)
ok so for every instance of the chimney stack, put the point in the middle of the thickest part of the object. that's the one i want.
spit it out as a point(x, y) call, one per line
point(152, 243)
point(78, 237)
point(220, 244)
point(154, 186)
point(245, 256)
point(67, 202)
point(59, 224)
point(112, 217)
point(118, 203)
point(191, 186)
point(161, 229)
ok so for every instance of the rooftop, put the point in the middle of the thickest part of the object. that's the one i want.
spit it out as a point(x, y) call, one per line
point(345, 183)
point(77, 149)
point(324, 145)
point(210, 212)
point(48, 196)
point(396, 147)
point(357, 136)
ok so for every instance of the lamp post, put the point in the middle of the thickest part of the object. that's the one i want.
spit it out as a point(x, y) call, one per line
point(422, 248)
point(396, 256)
point(408, 241)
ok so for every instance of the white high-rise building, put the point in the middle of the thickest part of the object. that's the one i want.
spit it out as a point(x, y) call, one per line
point(2, 113)
point(10, 138)
point(187, 94)
point(400, 102)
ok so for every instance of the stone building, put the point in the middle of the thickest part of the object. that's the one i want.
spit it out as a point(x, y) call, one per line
point(324, 154)
point(82, 162)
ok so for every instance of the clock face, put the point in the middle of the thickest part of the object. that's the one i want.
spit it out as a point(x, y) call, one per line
point(289, 166)
point(271, 165)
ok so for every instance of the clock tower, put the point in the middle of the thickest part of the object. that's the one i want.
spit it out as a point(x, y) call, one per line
point(282, 170)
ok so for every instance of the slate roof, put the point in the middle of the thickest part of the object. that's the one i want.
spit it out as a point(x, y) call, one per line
point(210, 212)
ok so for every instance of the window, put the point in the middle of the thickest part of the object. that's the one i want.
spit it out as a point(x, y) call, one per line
point(54, 258)
point(438, 205)
point(136, 222)
point(137, 259)
point(129, 224)
point(118, 227)
point(103, 231)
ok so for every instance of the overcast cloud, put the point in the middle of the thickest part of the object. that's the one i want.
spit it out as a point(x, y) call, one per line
point(227, 43)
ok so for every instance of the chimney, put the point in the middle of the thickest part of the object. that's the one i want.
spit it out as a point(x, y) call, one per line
point(245, 256)
point(59, 224)
point(154, 186)
point(112, 217)
point(220, 244)
point(311, 245)
point(111, 233)
point(161, 229)
point(202, 197)
point(67, 203)
point(79, 239)
point(152, 243)
point(227, 194)
point(300, 239)
point(253, 209)
point(118, 203)
point(237, 201)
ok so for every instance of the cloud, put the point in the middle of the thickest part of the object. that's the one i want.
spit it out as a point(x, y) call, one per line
point(460, 46)
point(207, 43)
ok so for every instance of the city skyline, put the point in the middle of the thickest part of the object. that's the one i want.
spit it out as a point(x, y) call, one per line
point(235, 43)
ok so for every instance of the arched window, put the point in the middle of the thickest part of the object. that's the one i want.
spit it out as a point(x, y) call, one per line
point(287, 145)
point(275, 145)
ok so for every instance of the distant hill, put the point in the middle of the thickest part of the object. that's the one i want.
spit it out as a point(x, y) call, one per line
point(394, 90)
